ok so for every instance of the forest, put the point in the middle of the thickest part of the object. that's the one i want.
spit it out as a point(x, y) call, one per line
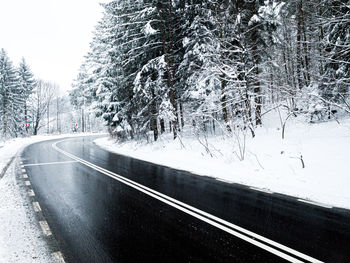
point(31, 106)
point(156, 66)
point(212, 65)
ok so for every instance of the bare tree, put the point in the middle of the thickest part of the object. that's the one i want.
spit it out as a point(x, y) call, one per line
point(40, 101)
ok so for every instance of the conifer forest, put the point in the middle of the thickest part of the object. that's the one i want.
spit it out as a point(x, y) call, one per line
point(159, 66)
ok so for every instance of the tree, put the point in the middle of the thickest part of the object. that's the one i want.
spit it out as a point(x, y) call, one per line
point(27, 84)
point(10, 101)
point(39, 103)
point(337, 52)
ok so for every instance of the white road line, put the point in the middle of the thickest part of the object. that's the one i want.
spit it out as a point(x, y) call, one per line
point(31, 193)
point(39, 164)
point(23, 170)
point(315, 203)
point(45, 228)
point(27, 183)
point(58, 257)
point(25, 176)
point(226, 226)
point(37, 207)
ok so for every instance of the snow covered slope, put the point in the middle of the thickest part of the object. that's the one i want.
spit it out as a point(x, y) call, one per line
point(269, 163)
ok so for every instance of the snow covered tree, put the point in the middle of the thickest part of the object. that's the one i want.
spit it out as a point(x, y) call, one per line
point(337, 52)
point(40, 100)
point(10, 99)
point(223, 62)
point(27, 84)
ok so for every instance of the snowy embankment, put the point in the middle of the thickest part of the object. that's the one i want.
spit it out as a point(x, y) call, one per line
point(270, 163)
point(21, 239)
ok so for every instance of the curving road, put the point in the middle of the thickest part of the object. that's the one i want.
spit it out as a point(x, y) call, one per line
point(104, 207)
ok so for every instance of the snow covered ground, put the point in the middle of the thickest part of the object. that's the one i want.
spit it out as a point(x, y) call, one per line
point(21, 239)
point(270, 163)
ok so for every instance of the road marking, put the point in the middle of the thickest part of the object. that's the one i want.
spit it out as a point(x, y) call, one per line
point(25, 176)
point(242, 233)
point(27, 183)
point(45, 228)
point(37, 207)
point(31, 193)
point(39, 164)
point(58, 257)
point(315, 203)
point(23, 170)
point(261, 190)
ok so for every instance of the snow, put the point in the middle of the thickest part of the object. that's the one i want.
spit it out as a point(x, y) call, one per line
point(254, 19)
point(149, 30)
point(20, 238)
point(269, 163)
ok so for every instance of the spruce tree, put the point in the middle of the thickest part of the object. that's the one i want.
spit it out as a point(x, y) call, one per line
point(27, 84)
point(10, 101)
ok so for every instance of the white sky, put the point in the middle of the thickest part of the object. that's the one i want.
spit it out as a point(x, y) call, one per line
point(52, 35)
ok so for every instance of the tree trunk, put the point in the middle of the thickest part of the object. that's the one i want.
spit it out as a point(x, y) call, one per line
point(57, 122)
point(26, 116)
point(4, 105)
point(182, 115)
point(48, 118)
point(223, 82)
point(162, 126)
point(167, 17)
point(257, 91)
point(153, 120)
point(299, 48)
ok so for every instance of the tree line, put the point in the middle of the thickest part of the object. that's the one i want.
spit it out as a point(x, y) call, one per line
point(24, 100)
point(160, 65)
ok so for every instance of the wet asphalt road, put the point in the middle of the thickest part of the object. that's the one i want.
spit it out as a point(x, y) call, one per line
point(96, 218)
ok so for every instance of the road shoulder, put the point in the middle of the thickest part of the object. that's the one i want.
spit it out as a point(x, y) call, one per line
point(20, 238)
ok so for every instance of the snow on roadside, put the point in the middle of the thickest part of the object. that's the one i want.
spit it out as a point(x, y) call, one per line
point(20, 238)
point(270, 162)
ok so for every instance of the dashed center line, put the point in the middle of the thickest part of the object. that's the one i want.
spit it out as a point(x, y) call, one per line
point(58, 257)
point(37, 207)
point(45, 228)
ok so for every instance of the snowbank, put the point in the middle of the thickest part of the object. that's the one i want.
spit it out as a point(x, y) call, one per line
point(20, 238)
point(269, 163)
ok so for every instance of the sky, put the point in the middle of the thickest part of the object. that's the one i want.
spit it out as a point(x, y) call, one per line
point(52, 35)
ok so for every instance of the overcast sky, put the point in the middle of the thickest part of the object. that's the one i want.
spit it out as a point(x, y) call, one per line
point(52, 35)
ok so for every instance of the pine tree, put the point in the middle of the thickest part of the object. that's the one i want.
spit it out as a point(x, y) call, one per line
point(10, 101)
point(27, 84)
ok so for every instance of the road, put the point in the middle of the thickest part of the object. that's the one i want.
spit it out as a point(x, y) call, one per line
point(104, 207)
